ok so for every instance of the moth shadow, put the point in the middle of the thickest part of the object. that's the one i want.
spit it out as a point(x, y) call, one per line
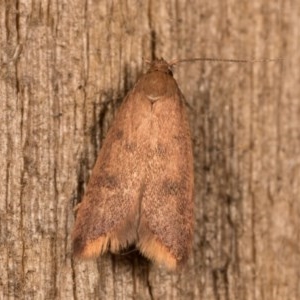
point(130, 257)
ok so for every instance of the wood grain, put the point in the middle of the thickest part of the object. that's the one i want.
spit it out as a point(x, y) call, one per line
point(64, 67)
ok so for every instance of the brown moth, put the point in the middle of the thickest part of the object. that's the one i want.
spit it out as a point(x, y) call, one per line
point(141, 188)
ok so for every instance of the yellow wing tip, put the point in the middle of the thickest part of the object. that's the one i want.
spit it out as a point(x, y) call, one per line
point(157, 252)
point(93, 248)
point(150, 247)
point(97, 247)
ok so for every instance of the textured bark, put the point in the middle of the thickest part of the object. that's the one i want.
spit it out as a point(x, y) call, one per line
point(65, 66)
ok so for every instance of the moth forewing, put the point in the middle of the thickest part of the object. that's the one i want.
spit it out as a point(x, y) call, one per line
point(141, 188)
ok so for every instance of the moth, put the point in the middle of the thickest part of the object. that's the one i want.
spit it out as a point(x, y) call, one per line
point(141, 188)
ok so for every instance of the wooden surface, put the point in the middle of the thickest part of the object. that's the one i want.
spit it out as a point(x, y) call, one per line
point(66, 65)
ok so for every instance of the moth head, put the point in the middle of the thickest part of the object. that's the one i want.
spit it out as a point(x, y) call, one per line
point(161, 65)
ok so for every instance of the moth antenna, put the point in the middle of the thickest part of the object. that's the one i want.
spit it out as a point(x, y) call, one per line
point(211, 59)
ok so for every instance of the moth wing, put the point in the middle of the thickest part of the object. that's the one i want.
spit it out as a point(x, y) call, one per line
point(107, 216)
point(167, 220)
